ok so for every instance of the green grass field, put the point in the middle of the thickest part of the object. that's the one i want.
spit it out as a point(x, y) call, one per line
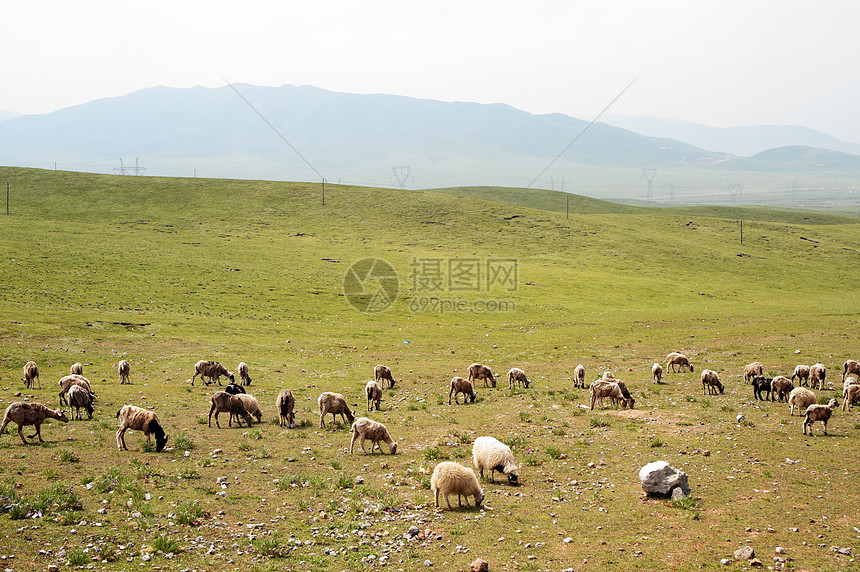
point(164, 272)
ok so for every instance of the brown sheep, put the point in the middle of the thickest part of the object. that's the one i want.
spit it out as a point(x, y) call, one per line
point(849, 367)
point(251, 406)
point(821, 413)
point(30, 413)
point(244, 378)
point(382, 374)
point(365, 428)
point(801, 372)
point(374, 394)
point(752, 370)
point(817, 373)
point(69, 381)
point(124, 369)
point(213, 370)
point(781, 387)
point(602, 388)
point(76, 369)
point(516, 375)
point(579, 376)
point(80, 397)
point(285, 404)
point(677, 359)
point(657, 372)
point(801, 398)
point(850, 395)
point(478, 371)
point(711, 382)
point(335, 404)
point(139, 419)
point(464, 386)
point(31, 375)
point(223, 402)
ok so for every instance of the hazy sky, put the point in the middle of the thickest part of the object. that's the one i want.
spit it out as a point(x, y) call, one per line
point(717, 62)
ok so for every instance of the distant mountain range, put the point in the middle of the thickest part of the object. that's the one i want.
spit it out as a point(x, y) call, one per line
point(384, 140)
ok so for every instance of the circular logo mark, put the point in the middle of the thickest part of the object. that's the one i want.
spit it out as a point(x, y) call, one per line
point(370, 285)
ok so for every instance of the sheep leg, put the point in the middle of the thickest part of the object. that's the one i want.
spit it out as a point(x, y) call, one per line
point(437, 498)
point(21, 434)
point(120, 439)
point(211, 409)
point(38, 432)
point(3, 427)
point(352, 441)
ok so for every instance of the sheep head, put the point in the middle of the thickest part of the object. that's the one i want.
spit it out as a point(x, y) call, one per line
point(394, 448)
point(61, 416)
point(513, 479)
point(161, 441)
point(472, 397)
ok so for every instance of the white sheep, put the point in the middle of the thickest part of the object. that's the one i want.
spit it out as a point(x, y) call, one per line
point(821, 413)
point(464, 386)
point(373, 391)
point(752, 370)
point(579, 376)
point(139, 419)
point(679, 360)
point(382, 374)
point(80, 397)
point(335, 404)
point(31, 375)
point(711, 382)
point(478, 371)
point(780, 388)
point(244, 378)
point(801, 372)
point(490, 453)
point(801, 398)
point(817, 373)
point(223, 402)
point(850, 366)
point(70, 380)
point(454, 479)
point(30, 413)
point(515, 376)
point(251, 406)
point(850, 395)
point(285, 404)
point(76, 369)
point(602, 388)
point(365, 428)
point(124, 369)
point(657, 372)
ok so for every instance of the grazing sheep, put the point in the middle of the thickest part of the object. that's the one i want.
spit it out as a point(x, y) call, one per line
point(224, 402)
point(31, 373)
point(234, 388)
point(69, 381)
point(335, 404)
point(607, 376)
point(252, 406)
point(761, 384)
point(478, 371)
point(677, 359)
point(849, 367)
point(374, 394)
point(579, 376)
point(139, 419)
point(601, 388)
point(464, 386)
point(516, 375)
point(821, 413)
point(76, 369)
point(80, 397)
point(801, 398)
point(711, 382)
point(850, 395)
point(30, 413)
point(752, 370)
point(365, 428)
point(817, 373)
point(285, 404)
point(381, 372)
point(455, 479)
point(850, 381)
point(123, 368)
point(657, 372)
point(801, 372)
point(490, 453)
point(211, 369)
point(780, 388)
point(244, 378)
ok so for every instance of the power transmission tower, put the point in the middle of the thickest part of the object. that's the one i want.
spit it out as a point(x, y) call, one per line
point(736, 192)
point(123, 170)
point(649, 175)
point(402, 175)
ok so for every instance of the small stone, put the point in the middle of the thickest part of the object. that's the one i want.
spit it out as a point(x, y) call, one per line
point(479, 565)
point(678, 493)
point(844, 551)
point(745, 553)
point(53, 568)
point(780, 550)
point(725, 561)
point(706, 453)
point(567, 540)
point(359, 480)
point(428, 563)
point(755, 562)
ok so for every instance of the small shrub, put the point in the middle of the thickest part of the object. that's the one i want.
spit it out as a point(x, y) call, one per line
point(513, 442)
point(205, 462)
point(244, 446)
point(533, 461)
point(553, 452)
point(50, 475)
point(434, 454)
point(19, 511)
point(727, 409)
point(183, 442)
point(77, 557)
point(188, 474)
point(460, 453)
point(559, 431)
point(690, 399)
point(705, 403)
point(525, 416)
point(345, 482)
point(685, 503)
point(189, 512)
point(255, 434)
point(335, 465)
point(106, 553)
point(202, 420)
point(68, 456)
point(656, 443)
point(599, 422)
point(165, 544)
point(271, 546)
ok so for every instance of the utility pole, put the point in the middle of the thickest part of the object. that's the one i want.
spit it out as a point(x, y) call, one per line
point(567, 207)
point(649, 175)
point(323, 191)
point(742, 232)
point(7, 198)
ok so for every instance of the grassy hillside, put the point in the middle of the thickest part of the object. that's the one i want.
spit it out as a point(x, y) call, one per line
point(164, 272)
